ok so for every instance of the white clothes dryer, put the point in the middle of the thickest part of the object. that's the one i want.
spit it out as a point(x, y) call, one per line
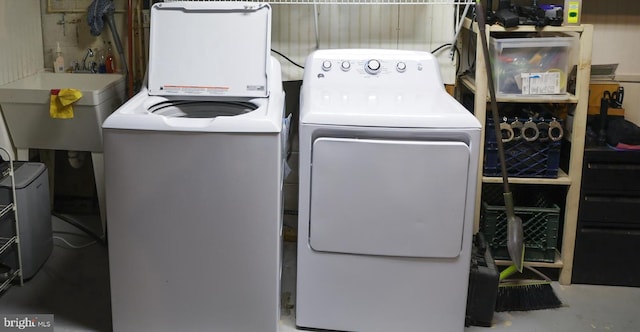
point(388, 166)
point(194, 173)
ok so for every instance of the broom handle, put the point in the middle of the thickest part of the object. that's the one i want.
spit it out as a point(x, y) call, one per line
point(480, 16)
point(515, 240)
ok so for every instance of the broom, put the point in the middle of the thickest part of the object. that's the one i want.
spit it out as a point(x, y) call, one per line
point(525, 294)
point(519, 295)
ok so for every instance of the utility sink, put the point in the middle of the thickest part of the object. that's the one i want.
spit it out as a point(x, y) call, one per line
point(25, 106)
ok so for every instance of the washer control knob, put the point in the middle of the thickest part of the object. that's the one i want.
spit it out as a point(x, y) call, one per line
point(401, 67)
point(326, 65)
point(345, 65)
point(373, 66)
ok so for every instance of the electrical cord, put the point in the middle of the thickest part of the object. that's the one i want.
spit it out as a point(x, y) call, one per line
point(287, 58)
point(456, 50)
point(471, 61)
point(74, 246)
point(81, 227)
point(71, 233)
point(440, 47)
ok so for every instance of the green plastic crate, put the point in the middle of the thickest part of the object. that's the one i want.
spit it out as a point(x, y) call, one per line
point(539, 224)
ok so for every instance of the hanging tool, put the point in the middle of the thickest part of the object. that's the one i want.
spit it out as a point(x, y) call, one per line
point(515, 241)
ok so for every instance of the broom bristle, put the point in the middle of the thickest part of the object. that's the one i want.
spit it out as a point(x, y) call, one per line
point(526, 297)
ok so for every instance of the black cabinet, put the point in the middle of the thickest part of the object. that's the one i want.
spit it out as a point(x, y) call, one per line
point(607, 250)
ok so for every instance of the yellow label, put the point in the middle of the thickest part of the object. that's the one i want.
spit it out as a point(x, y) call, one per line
point(573, 12)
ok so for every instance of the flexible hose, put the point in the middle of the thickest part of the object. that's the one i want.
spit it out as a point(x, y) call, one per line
point(116, 39)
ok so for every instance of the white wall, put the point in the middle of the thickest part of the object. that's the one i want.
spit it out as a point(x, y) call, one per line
point(411, 27)
point(20, 49)
point(65, 22)
point(616, 39)
point(20, 39)
point(423, 27)
point(415, 27)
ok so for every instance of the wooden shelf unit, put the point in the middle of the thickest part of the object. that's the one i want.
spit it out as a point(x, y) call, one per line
point(579, 102)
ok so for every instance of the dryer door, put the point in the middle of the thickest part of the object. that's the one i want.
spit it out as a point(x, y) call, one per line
point(388, 197)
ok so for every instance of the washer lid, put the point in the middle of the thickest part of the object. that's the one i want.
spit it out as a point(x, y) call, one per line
point(209, 49)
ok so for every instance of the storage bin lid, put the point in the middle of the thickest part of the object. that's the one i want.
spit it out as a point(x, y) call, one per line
point(525, 40)
point(24, 172)
point(209, 49)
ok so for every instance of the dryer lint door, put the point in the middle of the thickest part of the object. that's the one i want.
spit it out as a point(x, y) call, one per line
point(388, 197)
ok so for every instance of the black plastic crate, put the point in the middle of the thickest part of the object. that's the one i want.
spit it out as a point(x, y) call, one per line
point(538, 158)
point(540, 224)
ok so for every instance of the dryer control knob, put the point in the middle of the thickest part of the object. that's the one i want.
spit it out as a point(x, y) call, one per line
point(345, 65)
point(326, 65)
point(401, 67)
point(373, 66)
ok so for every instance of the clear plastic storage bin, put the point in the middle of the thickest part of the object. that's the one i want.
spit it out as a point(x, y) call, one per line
point(531, 65)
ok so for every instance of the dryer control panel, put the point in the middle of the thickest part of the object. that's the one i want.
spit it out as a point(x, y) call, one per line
point(371, 66)
point(351, 68)
point(372, 87)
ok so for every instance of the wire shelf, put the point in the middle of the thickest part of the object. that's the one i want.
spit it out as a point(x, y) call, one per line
point(5, 243)
point(4, 209)
point(355, 2)
point(5, 284)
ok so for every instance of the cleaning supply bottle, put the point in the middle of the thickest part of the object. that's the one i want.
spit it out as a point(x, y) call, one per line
point(102, 65)
point(58, 64)
point(110, 62)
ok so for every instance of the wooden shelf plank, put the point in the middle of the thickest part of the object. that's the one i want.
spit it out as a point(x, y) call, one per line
point(557, 263)
point(562, 179)
point(472, 25)
point(566, 98)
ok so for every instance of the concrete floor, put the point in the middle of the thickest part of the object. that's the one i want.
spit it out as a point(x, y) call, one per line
point(74, 286)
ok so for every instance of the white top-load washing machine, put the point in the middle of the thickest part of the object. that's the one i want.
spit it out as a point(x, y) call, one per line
point(388, 164)
point(194, 170)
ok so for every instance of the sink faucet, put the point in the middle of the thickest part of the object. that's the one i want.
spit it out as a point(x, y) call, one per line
point(84, 61)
